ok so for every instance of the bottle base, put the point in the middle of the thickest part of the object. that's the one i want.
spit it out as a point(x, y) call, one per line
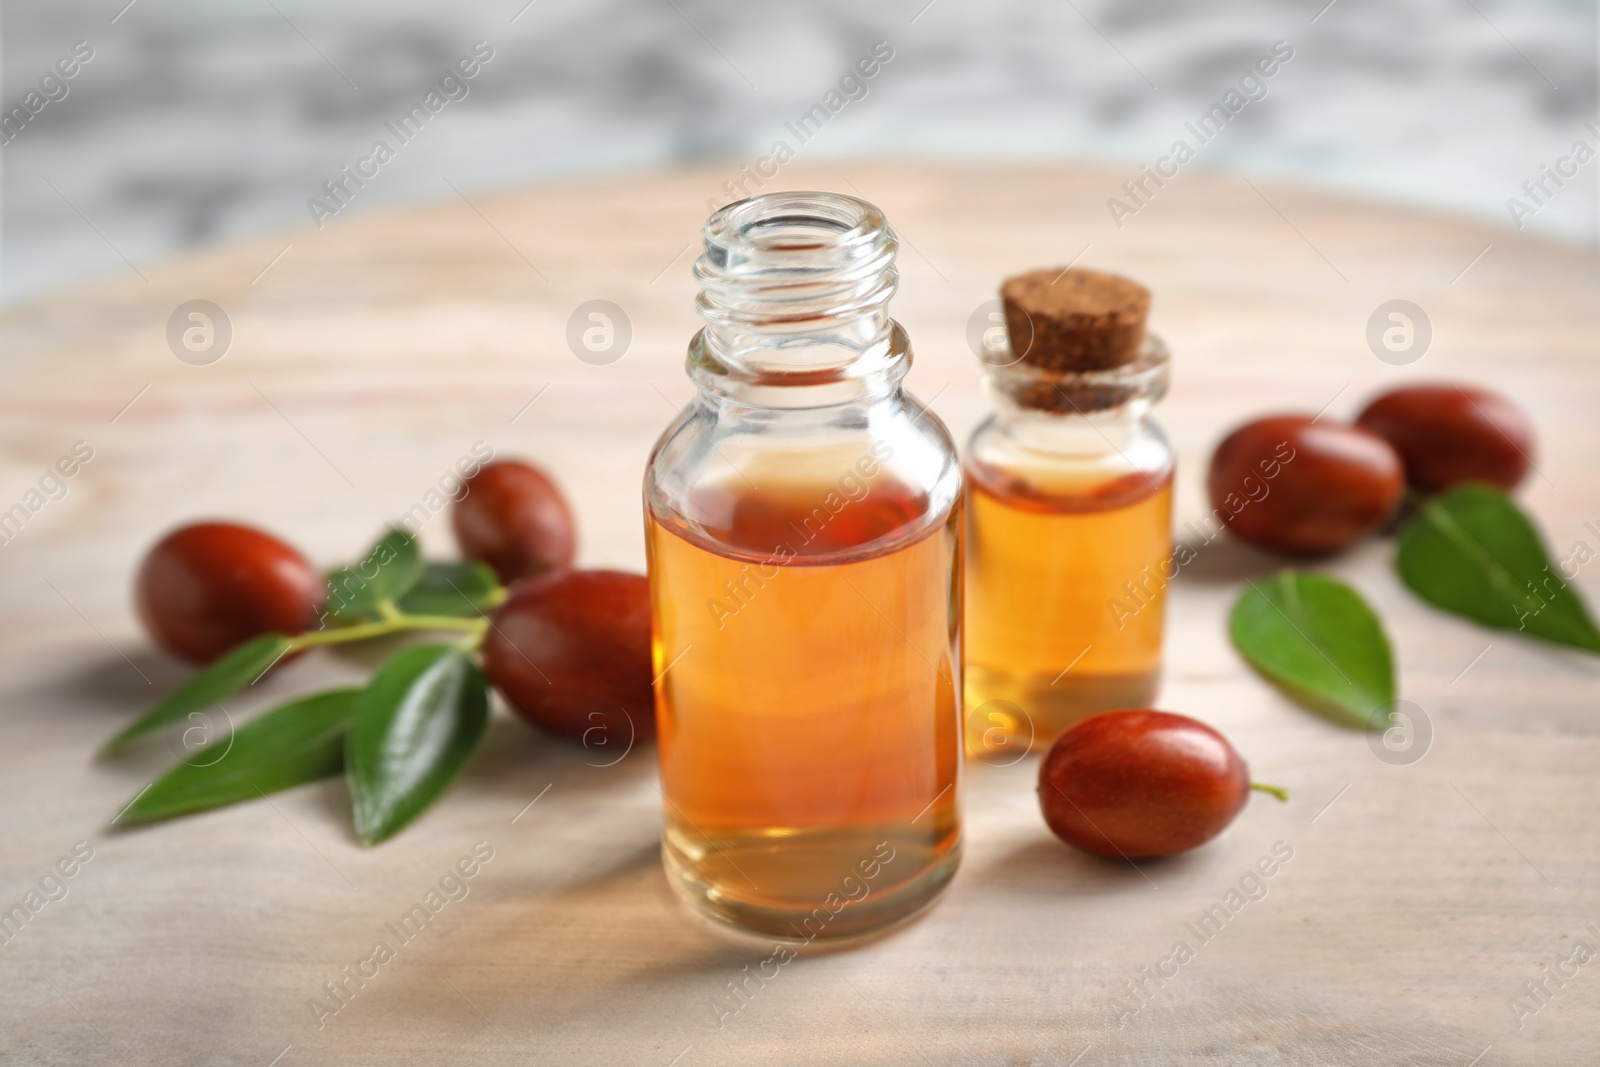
point(1007, 714)
point(836, 888)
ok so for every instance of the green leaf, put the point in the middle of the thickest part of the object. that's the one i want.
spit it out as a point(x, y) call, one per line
point(416, 724)
point(1317, 639)
point(294, 743)
point(1473, 552)
point(385, 573)
point(462, 589)
point(232, 672)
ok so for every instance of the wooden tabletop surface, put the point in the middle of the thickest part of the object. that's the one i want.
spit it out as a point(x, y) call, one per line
point(367, 357)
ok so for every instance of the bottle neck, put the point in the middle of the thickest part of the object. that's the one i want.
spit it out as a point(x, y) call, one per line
point(794, 291)
point(1076, 413)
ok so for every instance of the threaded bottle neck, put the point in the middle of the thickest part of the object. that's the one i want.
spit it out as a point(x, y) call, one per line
point(795, 288)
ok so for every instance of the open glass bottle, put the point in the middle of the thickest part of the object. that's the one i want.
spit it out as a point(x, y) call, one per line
point(803, 520)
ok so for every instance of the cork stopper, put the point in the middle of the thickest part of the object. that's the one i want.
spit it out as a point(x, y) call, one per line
point(1074, 320)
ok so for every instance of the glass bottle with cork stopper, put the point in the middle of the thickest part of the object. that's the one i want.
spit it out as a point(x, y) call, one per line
point(1069, 517)
point(803, 519)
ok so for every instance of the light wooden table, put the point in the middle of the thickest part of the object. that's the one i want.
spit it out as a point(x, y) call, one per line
point(367, 357)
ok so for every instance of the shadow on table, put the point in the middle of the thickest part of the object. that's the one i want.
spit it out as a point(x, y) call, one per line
point(518, 760)
point(1049, 868)
point(1226, 560)
point(124, 685)
point(595, 945)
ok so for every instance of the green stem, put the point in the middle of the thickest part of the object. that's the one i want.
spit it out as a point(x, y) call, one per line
point(395, 624)
point(1276, 790)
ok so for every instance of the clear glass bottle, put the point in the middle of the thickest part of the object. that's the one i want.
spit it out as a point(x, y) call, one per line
point(803, 524)
point(1069, 547)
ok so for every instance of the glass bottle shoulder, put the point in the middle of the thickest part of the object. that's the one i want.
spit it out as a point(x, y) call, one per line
point(1069, 462)
point(815, 485)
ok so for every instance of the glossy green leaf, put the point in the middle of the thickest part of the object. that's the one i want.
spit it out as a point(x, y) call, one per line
point(234, 671)
point(1320, 642)
point(1473, 552)
point(416, 724)
point(462, 589)
point(385, 573)
point(297, 742)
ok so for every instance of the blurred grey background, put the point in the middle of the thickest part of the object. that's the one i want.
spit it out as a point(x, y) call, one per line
point(198, 121)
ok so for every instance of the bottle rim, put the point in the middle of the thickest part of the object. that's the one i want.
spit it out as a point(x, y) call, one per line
point(760, 234)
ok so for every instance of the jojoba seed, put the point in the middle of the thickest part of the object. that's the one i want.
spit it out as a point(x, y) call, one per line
point(1294, 485)
point(1138, 784)
point(513, 518)
point(570, 652)
point(1448, 434)
point(208, 587)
